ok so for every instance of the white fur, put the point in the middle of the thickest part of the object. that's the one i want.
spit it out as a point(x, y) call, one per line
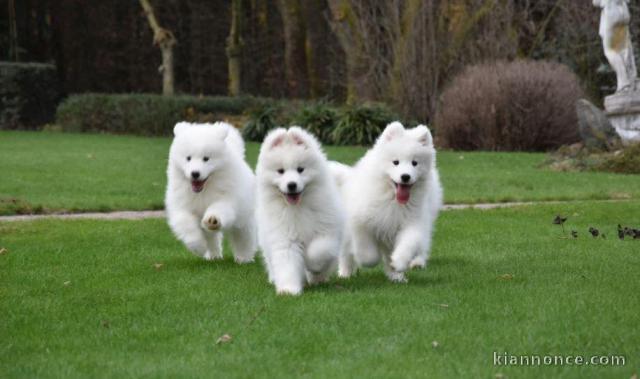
point(300, 242)
point(226, 202)
point(379, 226)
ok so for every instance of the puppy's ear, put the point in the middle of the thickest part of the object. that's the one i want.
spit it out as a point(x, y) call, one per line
point(298, 136)
point(180, 127)
point(392, 131)
point(275, 138)
point(423, 135)
point(223, 130)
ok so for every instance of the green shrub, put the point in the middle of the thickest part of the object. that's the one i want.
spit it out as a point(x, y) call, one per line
point(506, 106)
point(318, 118)
point(262, 119)
point(361, 124)
point(144, 114)
point(29, 94)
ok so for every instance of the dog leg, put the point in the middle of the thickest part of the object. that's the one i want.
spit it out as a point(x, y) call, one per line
point(214, 246)
point(364, 247)
point(321, 258)
point(243, 243)
point(185, 226)
point(409, 244)
point(287, 270)
point(346, 265)
point(393, 275)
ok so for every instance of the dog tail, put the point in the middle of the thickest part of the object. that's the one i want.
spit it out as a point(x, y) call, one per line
point(234, 138)
point(340, 172)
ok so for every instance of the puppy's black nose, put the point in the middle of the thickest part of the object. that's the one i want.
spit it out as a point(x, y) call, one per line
point(405, 178)
point(195, 174)
point(292, 186)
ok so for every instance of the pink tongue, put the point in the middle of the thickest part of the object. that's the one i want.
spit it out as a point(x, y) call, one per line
point(402, 193)
point(293, 198)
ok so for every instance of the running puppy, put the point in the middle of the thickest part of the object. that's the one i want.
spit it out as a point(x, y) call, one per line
point(300, 218)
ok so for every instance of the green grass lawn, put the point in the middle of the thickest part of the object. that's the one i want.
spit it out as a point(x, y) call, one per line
point(501, 280)
point(44, 172)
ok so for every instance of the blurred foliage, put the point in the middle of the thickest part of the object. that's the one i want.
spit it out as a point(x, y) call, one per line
point(29, 93)
point(145, 114)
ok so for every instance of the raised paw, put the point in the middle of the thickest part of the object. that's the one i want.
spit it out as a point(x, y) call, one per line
point(211, 222)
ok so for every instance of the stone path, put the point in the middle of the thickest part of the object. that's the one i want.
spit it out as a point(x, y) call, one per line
point(141, 215)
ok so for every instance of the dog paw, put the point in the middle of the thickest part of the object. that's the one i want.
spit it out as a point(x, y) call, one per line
point(208, 256)
point(243, 260)
point(397, 277)
point(398, 266)
point(418, 264)
point(344, 273)
point(289, 291)
point(211, 222)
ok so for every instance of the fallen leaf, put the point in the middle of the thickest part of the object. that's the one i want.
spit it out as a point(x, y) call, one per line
point(500, 376)
point(635, 376)
point(435, 344)
point(67, 283)
point(4, 251)
point(223, 339)
point(506, 276)
point(158, 266)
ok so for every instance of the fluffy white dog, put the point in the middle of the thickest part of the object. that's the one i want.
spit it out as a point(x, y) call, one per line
point(300, 218)
point(211, 189)
point(392, 196)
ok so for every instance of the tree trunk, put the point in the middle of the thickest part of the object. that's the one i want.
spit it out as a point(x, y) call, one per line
point(343, 23)
point(234, 49)
point(13, 32)
point(295, 57)
point(165, 40)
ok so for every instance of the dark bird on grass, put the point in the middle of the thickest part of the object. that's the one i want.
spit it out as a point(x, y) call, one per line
point(574, 234)
point(620, 232)
point(559, 220)
point(628, 231)
point(594, 232)
point(636, 234)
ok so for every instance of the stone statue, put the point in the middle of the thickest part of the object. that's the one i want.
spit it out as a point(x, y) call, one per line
point(623, 107)
point(614, 30)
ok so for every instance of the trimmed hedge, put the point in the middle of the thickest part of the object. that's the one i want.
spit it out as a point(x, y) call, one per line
point(29, 94)
point(346, 125)
point(145, 114)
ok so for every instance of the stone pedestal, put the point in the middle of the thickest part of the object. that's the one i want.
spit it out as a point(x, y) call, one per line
point(623, 110)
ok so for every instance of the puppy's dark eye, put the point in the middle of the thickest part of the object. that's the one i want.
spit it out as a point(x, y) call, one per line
point(414, 163)
point(300, 169)
point(207, 158)
point(281, 171)
point(395, 163)
point(188, 158)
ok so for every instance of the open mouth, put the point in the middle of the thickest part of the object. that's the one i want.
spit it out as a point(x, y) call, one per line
point(197, 185)
point(293, 198)
point(403, 192)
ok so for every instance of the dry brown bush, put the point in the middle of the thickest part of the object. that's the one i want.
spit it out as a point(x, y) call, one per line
point(500, 106)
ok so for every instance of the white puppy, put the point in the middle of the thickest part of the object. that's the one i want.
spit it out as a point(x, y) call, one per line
point(392, 196)
point(210, 189)
point(300, 218)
